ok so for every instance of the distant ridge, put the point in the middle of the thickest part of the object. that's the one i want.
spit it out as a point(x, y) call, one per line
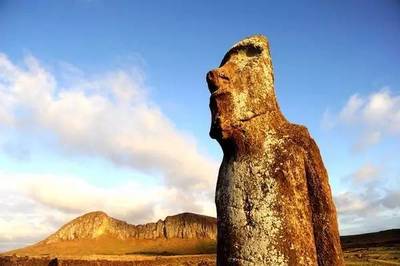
point(98, 233)
point(377, 239)
point(96, 224)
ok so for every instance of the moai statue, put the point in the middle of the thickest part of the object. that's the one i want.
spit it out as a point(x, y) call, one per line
point(274, 203)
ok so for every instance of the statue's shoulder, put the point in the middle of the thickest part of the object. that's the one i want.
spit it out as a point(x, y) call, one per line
point(298, 134)
point(301, 137)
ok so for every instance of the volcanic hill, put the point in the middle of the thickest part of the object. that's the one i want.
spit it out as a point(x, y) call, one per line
point(97, 233)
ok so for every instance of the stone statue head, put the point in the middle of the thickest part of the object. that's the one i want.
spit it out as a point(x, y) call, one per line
point(241, 88)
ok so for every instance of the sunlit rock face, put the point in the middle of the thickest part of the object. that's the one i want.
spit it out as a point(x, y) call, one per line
point(274, 203)
point(95, 225)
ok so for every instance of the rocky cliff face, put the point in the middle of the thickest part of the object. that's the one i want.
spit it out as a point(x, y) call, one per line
point(96, 224)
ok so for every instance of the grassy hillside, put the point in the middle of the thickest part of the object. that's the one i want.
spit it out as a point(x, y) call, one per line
point(112, 246)
point(377, 239)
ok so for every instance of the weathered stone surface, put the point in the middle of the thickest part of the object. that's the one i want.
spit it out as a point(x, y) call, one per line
point(97, 224)
point(274, 203)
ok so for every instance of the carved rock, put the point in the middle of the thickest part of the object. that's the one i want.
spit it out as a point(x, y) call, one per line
point(274, 203)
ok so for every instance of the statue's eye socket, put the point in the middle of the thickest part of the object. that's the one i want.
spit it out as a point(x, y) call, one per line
point(252, 51)
point(249, 51)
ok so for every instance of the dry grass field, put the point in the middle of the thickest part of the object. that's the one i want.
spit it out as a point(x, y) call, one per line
point(112, 246)
point(373, 256)
point(380, 248)
point(358, 257)
point(109, 260)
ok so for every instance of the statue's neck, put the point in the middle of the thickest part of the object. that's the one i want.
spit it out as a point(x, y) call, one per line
point(249, 139)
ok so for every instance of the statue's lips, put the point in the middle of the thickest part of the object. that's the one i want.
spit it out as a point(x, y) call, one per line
point(217, 99)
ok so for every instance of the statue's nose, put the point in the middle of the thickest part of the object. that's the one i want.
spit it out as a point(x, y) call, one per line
point(211, 78)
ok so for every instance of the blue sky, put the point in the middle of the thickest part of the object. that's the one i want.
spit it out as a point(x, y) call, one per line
point(67, 69)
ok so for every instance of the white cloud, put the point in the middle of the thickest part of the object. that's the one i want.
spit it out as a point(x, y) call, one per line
point(349, 203)
point(374, 116)
point(366, 173)
point(132, 200)
point(379, 109)
point(371, 202)
point(352, 107)
point(391, 199)
point(22, 220)
point(107, 115)
point(368, 210)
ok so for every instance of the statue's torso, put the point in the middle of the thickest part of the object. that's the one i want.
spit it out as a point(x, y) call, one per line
point(263, 207)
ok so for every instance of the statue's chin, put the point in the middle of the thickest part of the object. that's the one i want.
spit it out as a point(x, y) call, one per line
point(219, 134)
point(216, 133)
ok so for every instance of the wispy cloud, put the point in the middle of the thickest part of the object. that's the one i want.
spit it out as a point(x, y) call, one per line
point(368, 210)
point(106, 115)
point(374, 116)
point(370, 202)
point(366, 173)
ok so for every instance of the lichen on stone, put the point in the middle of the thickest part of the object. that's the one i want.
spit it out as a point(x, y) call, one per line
point(274, 204)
